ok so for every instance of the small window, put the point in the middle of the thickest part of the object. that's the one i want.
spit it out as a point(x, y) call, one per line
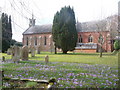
point(90, 38)
point(27, 41)
point(80, 40)
point(35, 40)
point(45, 40)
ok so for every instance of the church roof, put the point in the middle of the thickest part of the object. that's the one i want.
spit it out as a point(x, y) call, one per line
point(37, 29)
point(93, 26)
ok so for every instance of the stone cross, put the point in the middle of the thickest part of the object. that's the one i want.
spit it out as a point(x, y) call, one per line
point(24, 53)
point(46, 59)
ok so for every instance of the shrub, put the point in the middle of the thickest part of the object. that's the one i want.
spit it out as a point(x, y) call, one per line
point(117, 45)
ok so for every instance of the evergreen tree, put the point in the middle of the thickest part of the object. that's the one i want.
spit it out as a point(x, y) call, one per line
point(117, 45)
point(10, 28)
point(64, 29)
point(6, 32)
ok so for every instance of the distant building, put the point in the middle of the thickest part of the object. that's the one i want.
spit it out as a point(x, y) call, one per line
point(40, 36)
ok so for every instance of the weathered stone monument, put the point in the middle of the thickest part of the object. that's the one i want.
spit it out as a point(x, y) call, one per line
point(20, 53)
point(15, 54)
point(3, 59)
point(46, 59)
point(38, 50)
point(24, 53)
point(32, 51)
point(9, 51)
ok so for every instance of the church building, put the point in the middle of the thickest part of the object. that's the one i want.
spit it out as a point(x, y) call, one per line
point(40, 36)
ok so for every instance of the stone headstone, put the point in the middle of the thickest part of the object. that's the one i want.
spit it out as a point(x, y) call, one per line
point(32, 51)
point(46, 59)
point(15, 54)
point(24, 53)
point(9, 51)
point(38, 50)
point(20, 52)
point(3, 59)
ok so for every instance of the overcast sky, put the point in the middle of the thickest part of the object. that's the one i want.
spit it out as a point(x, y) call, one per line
point(44, 10)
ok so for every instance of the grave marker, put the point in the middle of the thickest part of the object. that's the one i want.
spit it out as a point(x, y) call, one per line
point(46, 59)
point(24, 53)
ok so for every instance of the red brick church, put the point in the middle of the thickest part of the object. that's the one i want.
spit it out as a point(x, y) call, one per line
point(40, 36)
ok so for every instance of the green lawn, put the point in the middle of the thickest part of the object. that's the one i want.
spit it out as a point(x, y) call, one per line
point(93, 58)
point(111, 60)
point(73, 70)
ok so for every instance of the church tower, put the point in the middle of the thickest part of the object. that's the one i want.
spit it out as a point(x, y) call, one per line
point(32, 21)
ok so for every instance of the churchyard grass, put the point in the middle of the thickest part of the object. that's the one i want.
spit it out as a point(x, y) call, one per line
point(93, 58)
point(71, 71)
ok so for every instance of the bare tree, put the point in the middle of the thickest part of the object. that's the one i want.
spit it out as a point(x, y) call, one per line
point(101, 26)
point(112, 26)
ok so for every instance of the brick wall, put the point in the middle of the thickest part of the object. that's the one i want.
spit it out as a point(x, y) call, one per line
point(44, 46)
point(85, 35)
point(85, 50)
point(95, 35)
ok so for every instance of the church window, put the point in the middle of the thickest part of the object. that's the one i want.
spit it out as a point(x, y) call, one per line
point(27, 41)
point(90, 38)
point(45, 40)
point(35, 40)
point(80, 40)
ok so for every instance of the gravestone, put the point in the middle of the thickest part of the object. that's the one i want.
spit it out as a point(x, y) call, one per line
point(3, 59)
point(15, 54)
point(20, 52)
point(38, 50)
point(24, 53)
point(9, 51)
point(32, 51)
point(46, 59)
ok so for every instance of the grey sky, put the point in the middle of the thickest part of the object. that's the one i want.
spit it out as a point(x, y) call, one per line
point(44, 10)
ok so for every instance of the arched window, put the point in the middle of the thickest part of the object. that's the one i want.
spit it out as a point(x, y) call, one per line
point(80, 40)
point(90, 38)
point(45, 40)
point(35, 40)
point(27, 41)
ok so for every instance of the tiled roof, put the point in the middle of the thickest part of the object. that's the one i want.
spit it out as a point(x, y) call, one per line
point(39, 29)
point(91, 26)
point(81, 27)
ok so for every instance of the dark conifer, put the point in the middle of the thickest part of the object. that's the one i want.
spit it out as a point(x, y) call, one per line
point(64, 29)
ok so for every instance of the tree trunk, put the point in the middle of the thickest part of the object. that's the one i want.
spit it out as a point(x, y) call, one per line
point(100, 50)
point(64, 52)
point(55, 50)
